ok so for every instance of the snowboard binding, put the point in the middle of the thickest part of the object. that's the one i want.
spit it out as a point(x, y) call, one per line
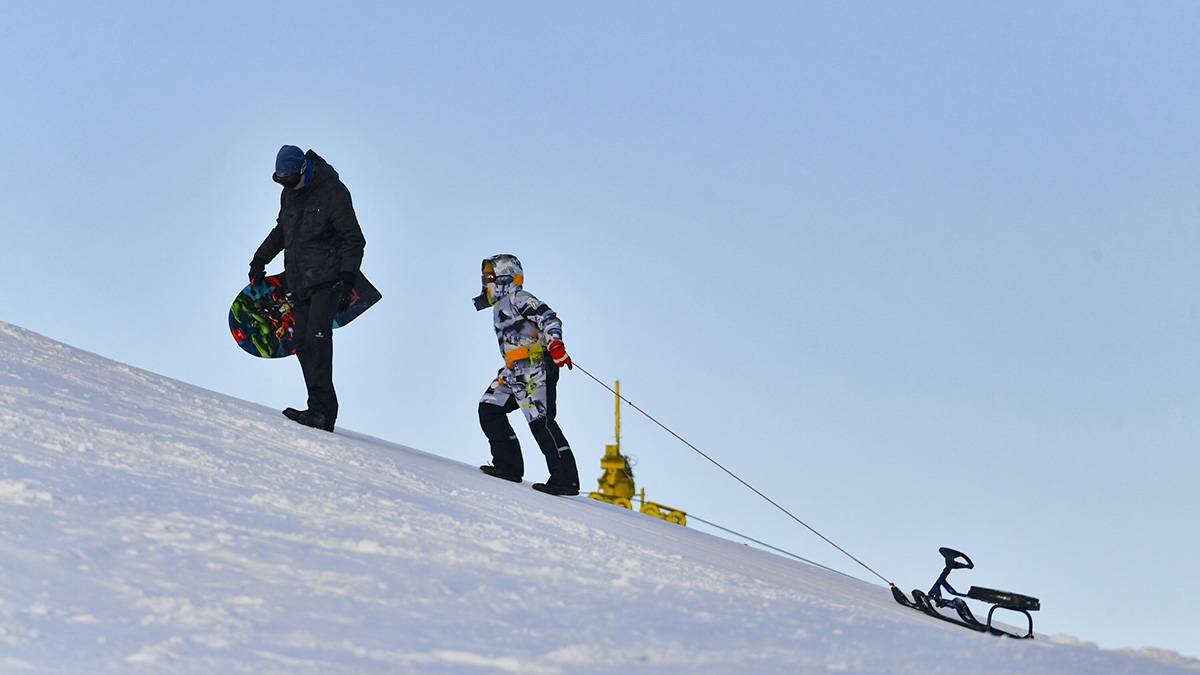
point(930, 602)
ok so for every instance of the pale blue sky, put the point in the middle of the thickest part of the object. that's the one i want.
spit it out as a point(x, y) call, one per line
point(923, 272)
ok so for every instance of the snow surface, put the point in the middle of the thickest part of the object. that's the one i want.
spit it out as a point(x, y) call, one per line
point(153, 526)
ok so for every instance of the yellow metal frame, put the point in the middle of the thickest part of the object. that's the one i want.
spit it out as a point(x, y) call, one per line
point(616, 484)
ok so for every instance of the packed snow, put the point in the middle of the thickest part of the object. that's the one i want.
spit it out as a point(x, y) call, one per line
point(153, 526)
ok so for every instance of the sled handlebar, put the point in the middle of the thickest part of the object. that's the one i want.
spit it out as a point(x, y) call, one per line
point(952, 559)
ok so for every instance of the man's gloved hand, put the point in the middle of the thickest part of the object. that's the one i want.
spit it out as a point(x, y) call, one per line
point(346, 282)
point(258, 272)
point(558, 352)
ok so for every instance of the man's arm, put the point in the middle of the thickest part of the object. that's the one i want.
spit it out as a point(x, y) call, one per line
point(270, 248)
point(345, 223)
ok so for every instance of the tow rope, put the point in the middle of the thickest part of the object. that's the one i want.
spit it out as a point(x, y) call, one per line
point(753, 489)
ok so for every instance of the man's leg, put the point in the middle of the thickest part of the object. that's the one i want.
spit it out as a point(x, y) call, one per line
point(301, 305)
point(494, 407)
point(314, 349)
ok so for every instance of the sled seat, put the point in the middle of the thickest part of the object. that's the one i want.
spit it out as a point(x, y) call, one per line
point(1005, 599)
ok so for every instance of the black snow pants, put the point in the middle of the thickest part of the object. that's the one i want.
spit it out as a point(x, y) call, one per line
point(315, 309)
point(506, 449)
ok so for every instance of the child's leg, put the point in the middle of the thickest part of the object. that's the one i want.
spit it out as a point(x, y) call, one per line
point(560, 461)
point(539, 405)
point(494, 407)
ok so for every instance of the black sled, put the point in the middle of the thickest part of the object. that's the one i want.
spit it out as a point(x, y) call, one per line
point(932, 601)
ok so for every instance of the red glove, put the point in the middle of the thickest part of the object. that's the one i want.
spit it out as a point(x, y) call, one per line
point(559, 353)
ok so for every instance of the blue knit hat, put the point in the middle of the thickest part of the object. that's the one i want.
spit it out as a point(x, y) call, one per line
point(289, 161)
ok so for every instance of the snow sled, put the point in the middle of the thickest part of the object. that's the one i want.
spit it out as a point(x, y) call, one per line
point(932, 601)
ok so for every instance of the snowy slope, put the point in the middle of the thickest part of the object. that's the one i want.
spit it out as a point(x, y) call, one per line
point(152, 526)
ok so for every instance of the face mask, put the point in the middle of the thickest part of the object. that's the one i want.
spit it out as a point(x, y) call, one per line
point(483, 300)
point(487, 294)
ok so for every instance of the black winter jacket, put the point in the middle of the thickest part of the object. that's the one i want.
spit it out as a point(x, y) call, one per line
point(316, 230)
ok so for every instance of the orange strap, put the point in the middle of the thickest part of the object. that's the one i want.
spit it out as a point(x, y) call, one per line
point(531, 352)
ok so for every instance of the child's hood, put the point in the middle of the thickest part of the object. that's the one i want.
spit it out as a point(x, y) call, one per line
point(502, 276)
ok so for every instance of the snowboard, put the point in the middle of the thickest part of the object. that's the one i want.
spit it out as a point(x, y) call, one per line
point(261, 319)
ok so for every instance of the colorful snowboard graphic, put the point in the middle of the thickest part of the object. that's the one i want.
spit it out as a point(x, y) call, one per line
point(261, 319)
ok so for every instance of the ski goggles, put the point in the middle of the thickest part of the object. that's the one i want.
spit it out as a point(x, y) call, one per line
point(489, 276)
point(502, 280)
point(288, 180)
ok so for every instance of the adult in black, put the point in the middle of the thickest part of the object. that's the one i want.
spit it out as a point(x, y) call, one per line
point(322, 248)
